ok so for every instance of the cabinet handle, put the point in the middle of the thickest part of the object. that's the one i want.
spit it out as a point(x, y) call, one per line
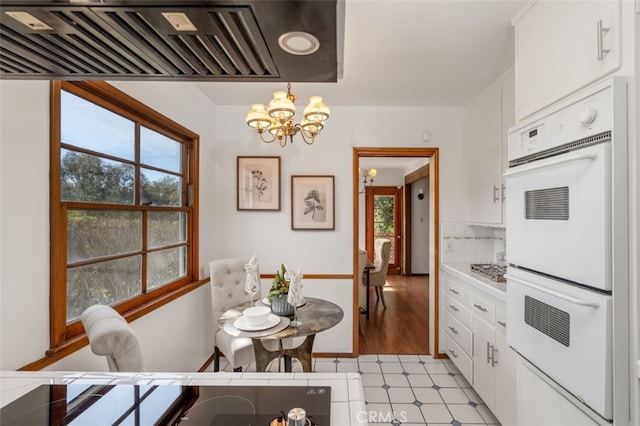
point(453, 308)
point(489, 353)
point(454, 291)
point(496, 197)
point(504, 193)
point(502, 323)
point(452, 352)
point(602, 52)
point(481, 308)
point(494, 359)
point(453, 330)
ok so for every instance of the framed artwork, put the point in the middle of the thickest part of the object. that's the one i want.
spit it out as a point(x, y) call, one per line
point(258, 183)
point(312, 202)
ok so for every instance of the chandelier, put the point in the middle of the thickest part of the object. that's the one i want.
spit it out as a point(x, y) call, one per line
point(368, 176)
point(276, 121)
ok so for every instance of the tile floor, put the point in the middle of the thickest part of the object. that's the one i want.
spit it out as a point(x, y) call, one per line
point(409, 389)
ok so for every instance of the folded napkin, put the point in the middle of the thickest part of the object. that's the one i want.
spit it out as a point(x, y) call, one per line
point(252, 283)
point(295, 286)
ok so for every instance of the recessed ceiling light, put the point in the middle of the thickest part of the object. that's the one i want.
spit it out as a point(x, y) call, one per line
point(29, 20)
point(298, 43)
point(179, 21)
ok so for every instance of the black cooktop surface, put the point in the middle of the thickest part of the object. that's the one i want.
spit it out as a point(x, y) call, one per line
point(86, 404)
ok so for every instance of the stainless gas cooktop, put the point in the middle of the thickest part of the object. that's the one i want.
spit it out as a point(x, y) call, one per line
point(94, 405)
point(492, 271)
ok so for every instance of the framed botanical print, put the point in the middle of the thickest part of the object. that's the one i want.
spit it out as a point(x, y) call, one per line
point(258, 183)
point(312, 202)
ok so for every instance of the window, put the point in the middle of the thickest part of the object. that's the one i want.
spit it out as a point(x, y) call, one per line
point(123, 221)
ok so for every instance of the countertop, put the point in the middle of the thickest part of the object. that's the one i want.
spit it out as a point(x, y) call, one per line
point(347, 395)
point(463, 270)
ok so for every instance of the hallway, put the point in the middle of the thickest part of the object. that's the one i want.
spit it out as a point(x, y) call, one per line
point(403, 327)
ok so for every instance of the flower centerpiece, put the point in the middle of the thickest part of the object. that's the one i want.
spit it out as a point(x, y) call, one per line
point(278, 293)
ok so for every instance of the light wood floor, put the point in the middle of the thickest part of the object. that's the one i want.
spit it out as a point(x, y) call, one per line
point(403, 327)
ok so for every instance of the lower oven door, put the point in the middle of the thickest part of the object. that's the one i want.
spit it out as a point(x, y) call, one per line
point(559, 215)
point(565, 331)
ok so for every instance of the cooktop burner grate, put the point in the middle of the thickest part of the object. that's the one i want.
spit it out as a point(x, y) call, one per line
point(490, 270)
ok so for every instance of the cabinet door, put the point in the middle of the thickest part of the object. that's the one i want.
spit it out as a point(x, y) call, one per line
point(483, 158)
point(484, 376)
point(506, 409)
point(557, 50)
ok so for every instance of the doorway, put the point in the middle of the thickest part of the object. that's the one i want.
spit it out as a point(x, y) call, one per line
point(383, 220)
point(433, 256)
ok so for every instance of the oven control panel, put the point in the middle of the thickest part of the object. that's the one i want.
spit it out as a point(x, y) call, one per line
point(585, 114)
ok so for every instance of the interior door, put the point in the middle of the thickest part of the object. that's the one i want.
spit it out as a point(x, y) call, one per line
point(383, 220)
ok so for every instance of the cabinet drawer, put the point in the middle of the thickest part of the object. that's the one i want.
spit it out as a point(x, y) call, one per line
point(460, 334)
point(459, 358)
point(501, 321)
point(458, 289)
point(460, 312)
point(484, 309)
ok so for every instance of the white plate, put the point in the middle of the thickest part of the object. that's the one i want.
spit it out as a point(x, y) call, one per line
point(266, 302)
point(242, 324)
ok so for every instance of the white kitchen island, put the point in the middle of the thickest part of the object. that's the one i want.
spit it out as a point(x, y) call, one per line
point(347, 397)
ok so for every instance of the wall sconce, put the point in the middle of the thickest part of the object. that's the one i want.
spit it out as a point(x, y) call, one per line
point(367, 178)
point(420, 194)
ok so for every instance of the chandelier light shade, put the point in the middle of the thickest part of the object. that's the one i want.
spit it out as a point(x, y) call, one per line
point(276, 121)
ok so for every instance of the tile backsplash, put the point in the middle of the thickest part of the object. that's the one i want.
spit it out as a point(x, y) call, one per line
point(462, 243)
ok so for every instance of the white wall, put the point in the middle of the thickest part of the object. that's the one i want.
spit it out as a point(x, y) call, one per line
point(224, 231)
point(420, 228)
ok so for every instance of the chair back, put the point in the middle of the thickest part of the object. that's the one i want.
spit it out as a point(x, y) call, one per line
point(228, 279)
point(382, 255)
point(111, 336)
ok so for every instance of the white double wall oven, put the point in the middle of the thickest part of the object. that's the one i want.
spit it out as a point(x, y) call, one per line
point(567, 240)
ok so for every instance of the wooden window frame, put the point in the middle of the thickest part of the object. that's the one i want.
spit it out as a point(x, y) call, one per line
point(65, 338)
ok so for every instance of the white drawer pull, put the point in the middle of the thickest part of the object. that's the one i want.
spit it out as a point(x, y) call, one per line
point(453, 308)
point(453, 330)
point(481, 308)
point(454, 291)
point(452, 352)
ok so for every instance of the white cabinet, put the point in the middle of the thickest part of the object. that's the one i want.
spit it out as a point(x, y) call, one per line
point(474, 338)
point(506, 361)
point(458, 324)
point(484, 373)
point(494, 362)
point(563, 46)
point(489, 117)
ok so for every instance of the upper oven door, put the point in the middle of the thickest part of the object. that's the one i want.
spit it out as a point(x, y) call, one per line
point(558, 211)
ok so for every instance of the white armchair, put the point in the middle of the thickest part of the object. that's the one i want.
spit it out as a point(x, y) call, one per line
point(228, 277)
point(378, 275)
point(111, 336)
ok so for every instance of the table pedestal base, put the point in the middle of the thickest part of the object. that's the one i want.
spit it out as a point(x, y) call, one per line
point(302, 353)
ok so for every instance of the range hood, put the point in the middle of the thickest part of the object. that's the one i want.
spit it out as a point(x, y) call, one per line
point(130, 40)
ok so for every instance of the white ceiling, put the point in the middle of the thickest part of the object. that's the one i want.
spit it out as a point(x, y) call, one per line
point(405, 53)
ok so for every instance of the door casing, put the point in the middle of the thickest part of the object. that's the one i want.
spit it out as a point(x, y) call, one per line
point(434, 235)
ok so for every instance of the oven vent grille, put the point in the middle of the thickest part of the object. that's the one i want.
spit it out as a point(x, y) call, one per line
point(547, 204)
point(562, 149)
point(548, 320)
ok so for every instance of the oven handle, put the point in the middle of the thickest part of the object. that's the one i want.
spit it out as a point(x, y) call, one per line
point(576, 301)
point(550, 163)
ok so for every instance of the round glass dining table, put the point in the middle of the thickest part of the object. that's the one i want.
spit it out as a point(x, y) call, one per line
point(317, 315)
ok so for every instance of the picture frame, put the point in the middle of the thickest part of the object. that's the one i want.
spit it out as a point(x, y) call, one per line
point(312, 202)
point(258, 183)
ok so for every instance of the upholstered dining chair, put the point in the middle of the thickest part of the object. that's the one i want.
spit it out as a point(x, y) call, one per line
point(228, 277)
point(378, 275)
point(111, 336)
